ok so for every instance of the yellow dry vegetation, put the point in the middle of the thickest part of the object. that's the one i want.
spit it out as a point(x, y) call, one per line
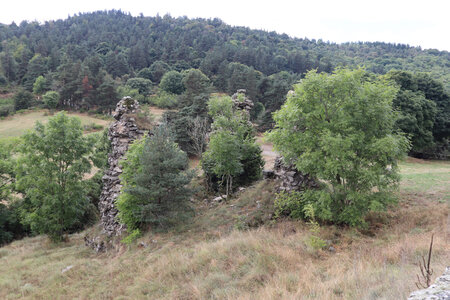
point(212, 259)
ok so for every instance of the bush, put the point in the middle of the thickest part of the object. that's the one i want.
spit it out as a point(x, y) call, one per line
point(155, 178)
point(164, 100)
point(6, 110)
point(22, 100)
point(3, 80)
point(51, 99)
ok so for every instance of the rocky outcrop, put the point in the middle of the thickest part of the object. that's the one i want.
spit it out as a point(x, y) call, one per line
point(440, 290)
point(121, 133)
point(241, 101)
point(290, 178)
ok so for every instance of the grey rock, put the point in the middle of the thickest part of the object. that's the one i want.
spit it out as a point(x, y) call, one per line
point(66, 269)
point(440, 290)
point(290, 178)
point(217, 199)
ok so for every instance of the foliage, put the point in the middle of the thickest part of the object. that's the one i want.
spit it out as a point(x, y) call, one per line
point(424, 112)
point(133, 236)
point(85, 57)
point(164, 99)
point(51, 99)
point(141, 84)
point(232, 154)
point(49, 175)
point(155, 179)
point(315, 242)
point(339, 129)
point(172, 82)
point(40, 85)
point(22, 100)
point(157, 70)
point(127, 91)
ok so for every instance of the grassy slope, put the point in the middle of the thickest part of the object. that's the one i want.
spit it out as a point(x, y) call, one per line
point(16, 125)
point(211, 258)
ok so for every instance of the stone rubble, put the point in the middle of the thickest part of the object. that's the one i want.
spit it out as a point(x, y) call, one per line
point(290, 178)
point(241, 101)
point(440, 290)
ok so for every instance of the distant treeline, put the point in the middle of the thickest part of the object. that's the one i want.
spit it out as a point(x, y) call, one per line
point(90, 60)
point(92, 49)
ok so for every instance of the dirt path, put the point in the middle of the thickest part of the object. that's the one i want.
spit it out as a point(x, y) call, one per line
point(268, 153)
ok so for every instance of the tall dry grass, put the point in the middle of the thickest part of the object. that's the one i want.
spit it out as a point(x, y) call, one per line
point(211, 259)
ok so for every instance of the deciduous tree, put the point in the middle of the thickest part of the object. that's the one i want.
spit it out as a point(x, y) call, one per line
point(50, 172)
point(339, 129)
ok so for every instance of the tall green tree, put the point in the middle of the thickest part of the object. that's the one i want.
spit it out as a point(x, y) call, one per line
point(39, 86)
point(155, 181)
point(51, 99)
point(339, 128)
point(232, 157)
point(50, 172)
point(172, 82)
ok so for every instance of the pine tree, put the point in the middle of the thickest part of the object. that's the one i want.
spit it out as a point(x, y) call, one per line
point(155, 178)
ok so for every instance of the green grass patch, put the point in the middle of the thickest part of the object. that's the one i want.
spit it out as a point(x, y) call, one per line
point(18, 124)
point(431, 178)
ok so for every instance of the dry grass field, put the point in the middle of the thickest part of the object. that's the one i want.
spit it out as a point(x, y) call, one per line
point(219, 255)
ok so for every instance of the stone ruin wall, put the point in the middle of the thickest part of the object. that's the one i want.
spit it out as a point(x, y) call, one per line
point(290, 178)
point(121, 133)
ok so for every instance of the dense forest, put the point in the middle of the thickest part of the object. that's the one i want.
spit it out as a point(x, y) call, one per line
point(87, 53)
point(88, 61)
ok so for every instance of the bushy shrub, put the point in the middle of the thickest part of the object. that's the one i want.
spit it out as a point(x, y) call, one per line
point(164, 99)
point(22, 100)
point(6, 110)
point(51, 99)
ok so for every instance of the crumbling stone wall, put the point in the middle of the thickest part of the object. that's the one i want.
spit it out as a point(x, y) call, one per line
point(290, 178)
point(440, 290)
point(241, 101)
point(121, 133)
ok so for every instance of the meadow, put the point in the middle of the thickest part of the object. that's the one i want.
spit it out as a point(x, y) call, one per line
point(222, 254)
point(18, 124)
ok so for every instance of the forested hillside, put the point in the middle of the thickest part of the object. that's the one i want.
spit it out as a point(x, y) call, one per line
point(90, 54)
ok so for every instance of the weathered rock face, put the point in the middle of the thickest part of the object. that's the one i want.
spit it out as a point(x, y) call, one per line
point(121, 133)
point(242, 102)
point(440, 290)
point(291, 179)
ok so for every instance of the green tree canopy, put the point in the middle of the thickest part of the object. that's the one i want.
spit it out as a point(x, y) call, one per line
point(339, 129)
point(40, 85)
point(232, 154)
point(50, 172)
point(172, 82)
point(51, 99)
